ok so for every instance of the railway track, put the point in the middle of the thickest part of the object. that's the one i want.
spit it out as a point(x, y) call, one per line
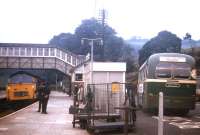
point(10, 107)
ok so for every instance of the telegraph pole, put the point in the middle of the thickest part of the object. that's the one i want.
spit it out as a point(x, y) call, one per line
point(102, 19)
point(92, 54)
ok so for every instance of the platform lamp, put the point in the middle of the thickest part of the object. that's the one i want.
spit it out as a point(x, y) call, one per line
point(91, 43)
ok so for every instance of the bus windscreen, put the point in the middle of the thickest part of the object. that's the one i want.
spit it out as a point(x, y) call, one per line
point(173, 70)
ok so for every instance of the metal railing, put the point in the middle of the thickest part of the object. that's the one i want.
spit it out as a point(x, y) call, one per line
point(38, 57)
point(109, 96)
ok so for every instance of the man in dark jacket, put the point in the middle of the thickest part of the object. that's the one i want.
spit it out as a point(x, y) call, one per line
point(45, 99)
point(40, 92)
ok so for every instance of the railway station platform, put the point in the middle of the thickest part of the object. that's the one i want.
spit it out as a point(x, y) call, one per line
point(30, 122)
point(58, 121)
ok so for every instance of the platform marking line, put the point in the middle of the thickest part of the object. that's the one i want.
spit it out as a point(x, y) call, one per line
point(197, 104)
point(17, 111)
point(157, 118)
point(180, 122)
point(20, 118)
point(77, 132)
point(63, 121)
point(197, 117)
point(69, 121)
point(3, 129)
point(174, 119)
point(54, 122)
point(186, 125)
point(50, 122)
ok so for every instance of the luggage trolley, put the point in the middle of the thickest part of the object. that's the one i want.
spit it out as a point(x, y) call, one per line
point(107, 106)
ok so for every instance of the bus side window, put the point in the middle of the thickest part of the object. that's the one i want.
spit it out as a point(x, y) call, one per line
point(142, 75)
point(145, 72)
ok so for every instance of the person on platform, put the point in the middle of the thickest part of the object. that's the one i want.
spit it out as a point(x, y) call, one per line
point(40, 94)
point(45, 98)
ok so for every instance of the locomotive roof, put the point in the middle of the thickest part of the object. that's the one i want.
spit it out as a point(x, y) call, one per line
point(24, 72)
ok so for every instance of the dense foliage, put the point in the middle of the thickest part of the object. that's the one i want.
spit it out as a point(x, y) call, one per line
point(164, 42)
point(191, 47)
point(113, 49)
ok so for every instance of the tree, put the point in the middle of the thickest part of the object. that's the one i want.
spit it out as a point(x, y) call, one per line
point(164, 42)
point(129, 55)
point(192, 49)
point(91, 28)
point(188, 36)
point(66, 41)
point(114, 49)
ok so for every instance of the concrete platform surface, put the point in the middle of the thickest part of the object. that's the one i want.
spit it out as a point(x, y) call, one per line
point(30, 122)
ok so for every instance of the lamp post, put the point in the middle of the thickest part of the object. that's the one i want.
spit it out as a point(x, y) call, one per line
point(92, 53)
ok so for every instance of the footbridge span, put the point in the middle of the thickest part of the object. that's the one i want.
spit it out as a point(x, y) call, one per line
point(37, 56)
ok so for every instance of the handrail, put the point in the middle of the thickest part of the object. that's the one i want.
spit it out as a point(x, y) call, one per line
point(63, 60)
point(31, 51)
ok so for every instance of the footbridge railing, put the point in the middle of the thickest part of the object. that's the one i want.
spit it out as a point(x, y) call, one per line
point(37, 56)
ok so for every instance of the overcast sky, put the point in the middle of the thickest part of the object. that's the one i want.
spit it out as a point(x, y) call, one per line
point(37, 21)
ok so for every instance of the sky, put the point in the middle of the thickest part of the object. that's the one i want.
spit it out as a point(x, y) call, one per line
point(37, 21)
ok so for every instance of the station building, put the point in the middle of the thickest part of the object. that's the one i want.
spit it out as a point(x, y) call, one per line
point(105, 74)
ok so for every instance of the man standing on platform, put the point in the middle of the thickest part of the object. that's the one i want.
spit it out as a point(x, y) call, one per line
point(40, 93)
point(45, 99)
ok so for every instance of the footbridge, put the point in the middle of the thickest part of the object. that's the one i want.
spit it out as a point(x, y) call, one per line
point(37, 56)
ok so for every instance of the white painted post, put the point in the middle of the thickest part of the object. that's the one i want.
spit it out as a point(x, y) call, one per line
point(160, 119)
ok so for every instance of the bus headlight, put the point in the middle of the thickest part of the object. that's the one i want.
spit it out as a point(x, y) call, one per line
point(8, 87)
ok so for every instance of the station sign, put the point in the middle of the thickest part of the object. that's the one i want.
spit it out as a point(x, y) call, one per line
point(115, 87)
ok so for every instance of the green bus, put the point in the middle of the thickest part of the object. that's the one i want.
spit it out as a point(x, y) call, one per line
point(170, 73)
